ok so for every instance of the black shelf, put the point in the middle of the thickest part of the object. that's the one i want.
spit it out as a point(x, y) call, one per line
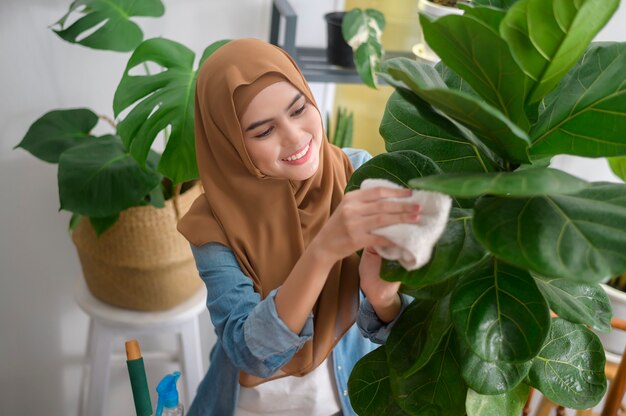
point(312, 61)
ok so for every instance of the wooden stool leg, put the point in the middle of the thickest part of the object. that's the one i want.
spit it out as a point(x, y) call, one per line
point(100, 348)
point(191, 360)
point(545, 406)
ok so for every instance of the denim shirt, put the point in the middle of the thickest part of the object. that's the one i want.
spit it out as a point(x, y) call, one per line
point(243, 321)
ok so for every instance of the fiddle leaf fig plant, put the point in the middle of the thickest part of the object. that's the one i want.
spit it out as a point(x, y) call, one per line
point(100, 176)
point(512, 287)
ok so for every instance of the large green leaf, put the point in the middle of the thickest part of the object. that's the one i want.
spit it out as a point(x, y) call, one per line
point(492, 127)
point(618, 166)
point(101, 224)
point(499, 312)
point(509, 403)
point(437, 389)
point(586, 114)
point(471, 46)
point(417, 334)
point(362, 30)
point(56, 131)
point(162, 99)
point(580, 303)
point(527, 182)
point(409, 123)
point(578, 237)
point(398, 167)
point(569, 370)
point(547, 37)
point(490, 377)
point(455, 252)
point(436, 291)
point(106, 24)
point(100, 179)
point(369, 387)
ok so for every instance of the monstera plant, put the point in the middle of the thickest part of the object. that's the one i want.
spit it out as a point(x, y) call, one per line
point(508, 299)
point(100, 176)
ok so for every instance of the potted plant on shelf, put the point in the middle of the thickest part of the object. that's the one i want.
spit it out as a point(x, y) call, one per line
point(125, 197)
point(615, 288)
point(516, 86)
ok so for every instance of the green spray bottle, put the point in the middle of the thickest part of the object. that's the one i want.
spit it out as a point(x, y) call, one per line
point(168, 404)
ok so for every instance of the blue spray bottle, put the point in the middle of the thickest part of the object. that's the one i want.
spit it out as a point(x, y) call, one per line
point(168, 404)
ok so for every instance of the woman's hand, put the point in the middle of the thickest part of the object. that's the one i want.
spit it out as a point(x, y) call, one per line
point(349, 227)
point(383, 295)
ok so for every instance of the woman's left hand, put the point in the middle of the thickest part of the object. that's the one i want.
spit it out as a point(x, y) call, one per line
point(383, 295)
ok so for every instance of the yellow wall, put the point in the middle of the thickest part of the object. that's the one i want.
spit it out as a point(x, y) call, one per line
point(401, 33)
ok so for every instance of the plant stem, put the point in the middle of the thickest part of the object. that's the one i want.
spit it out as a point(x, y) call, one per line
point(175, 196)
point(108, 120)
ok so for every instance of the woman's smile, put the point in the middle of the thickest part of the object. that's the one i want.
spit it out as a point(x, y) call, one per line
point(301, 156)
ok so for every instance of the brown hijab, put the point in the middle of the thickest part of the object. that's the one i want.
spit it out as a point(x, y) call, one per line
point(267, 222)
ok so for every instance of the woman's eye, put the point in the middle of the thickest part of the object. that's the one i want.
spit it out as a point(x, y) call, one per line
point(264, 133)
point(299, 110)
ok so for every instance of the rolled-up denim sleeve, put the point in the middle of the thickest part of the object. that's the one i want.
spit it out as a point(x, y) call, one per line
point(254, 337)
point(371, 326)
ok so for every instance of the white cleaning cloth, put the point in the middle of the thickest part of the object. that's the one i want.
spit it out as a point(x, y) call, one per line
point(413, 242)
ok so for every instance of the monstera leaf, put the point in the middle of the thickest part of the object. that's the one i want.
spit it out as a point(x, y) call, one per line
point(162, 99)
point(111, 19)
point(100, 179)
point(58, 130)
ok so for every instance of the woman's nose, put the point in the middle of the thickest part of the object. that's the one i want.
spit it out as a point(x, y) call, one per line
point(292, 132)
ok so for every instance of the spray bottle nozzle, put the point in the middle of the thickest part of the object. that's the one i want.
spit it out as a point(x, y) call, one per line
point(168, 395)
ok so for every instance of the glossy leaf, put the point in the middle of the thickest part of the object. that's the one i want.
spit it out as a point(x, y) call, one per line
point(436, 291)
point(580, 303)
point(586, 114)
point(492, 127)
point(500, 314)
point(162, 99)
point(56, 131)
point(100, 179)
point(409, 123)
point(547, 37)
point(362, 30)
point(578, 237)
point(101, 224)
point(437, 389)
point(528, 182)
point(417, 334)
point(569, 370)
point(490, 377)
point(106, 24)
point(618, 166)
point(369, 386)
point(509, 403)
point(456, 252)
point(472, 47)
point(398, 167)
point(500, 4)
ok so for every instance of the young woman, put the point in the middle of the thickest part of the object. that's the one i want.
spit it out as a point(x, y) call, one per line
point(275, 238)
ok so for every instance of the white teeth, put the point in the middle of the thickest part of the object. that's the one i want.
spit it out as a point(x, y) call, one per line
point(298, 155)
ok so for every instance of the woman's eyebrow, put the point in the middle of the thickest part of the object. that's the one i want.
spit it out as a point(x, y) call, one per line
point(261, 122)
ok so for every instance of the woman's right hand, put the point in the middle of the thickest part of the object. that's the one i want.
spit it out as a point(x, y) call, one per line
point(349, 227)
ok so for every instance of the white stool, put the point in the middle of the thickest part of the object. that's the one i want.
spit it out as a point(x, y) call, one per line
point(107, 322)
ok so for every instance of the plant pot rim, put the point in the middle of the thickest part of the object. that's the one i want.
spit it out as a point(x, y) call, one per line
point(614, 293)
point(435, 10)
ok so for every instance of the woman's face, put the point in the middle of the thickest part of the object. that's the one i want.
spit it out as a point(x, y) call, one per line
point(282, 132)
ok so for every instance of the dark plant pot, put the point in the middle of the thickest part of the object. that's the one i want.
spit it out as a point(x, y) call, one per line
point(338, 51)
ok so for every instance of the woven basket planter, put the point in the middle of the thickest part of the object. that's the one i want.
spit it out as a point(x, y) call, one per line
point(142, 262)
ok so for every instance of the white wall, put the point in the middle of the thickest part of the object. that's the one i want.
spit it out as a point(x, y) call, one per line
point(42, 331)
